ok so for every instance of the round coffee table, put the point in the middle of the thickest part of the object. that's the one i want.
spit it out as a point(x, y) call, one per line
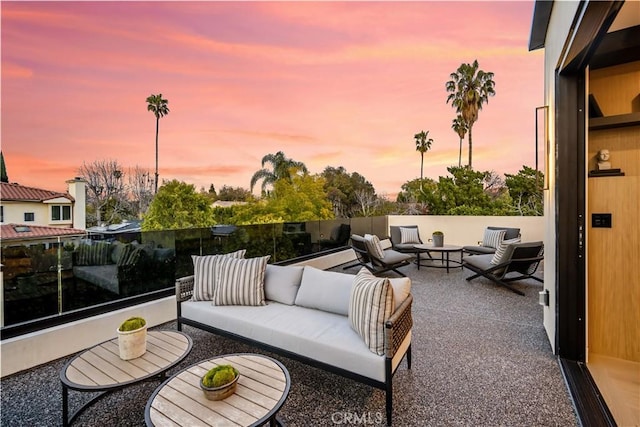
point(445, 260)
point(262, 389)
point(101, 369)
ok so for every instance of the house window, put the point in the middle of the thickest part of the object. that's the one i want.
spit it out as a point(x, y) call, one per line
point(60, 213)
point(29, 217)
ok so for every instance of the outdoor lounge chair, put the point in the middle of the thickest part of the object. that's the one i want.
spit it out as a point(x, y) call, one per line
point(391, 261)
point(409, 248)
point(484, 248)
point(519, 261)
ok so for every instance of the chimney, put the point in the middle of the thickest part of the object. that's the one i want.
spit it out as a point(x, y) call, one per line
point(78, 190)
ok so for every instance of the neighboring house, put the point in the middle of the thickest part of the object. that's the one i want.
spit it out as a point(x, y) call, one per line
point(34, 206)
point(592, 241)
point(27, 235)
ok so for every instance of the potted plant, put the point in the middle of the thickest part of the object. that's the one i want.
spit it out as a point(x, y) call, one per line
point(132, 338)
point(438, 239)
point(219, 382)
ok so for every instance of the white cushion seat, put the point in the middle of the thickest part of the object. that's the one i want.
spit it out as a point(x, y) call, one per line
point(319, 335)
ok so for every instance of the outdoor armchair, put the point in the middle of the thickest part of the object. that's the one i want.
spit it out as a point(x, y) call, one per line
point(511, 262)
point(487, 245)
point(390, 261)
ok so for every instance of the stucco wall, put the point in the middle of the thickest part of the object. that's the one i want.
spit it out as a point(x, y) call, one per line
point(468, 230)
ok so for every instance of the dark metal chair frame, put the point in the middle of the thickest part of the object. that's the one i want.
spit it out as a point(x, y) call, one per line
point(524, 260)
point(370, 262)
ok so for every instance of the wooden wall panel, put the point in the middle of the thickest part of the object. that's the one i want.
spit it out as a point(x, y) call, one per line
point(614, 253)
point(617, 89)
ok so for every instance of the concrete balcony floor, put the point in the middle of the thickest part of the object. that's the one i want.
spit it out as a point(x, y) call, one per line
point(480, 358)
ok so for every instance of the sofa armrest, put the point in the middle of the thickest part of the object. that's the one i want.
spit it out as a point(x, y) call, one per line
point(397, 327)
point(184, 288)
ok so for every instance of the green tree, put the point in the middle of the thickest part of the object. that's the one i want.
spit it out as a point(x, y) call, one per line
point(346, 191)
point(301, 199)
point(525, 191)
point(177, 205)
point(3, 169)
point(282, 167)
point(159, 107)
point(460, 127)
point(238, 194)
point(470, 88)
point(423, 144)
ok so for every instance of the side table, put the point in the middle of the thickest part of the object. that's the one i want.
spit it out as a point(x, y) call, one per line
point(445, 261)
point(101, 369)
point(262, 389)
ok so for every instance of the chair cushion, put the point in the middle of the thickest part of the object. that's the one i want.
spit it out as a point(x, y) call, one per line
point(325, 290)
point(392, 257)
point(492, 238)
point(370, 305)
point(510, 232)
point(204, 274)
point(240, 281)
point(503, 253)
point(409, 235)
point(281, 283)
point(374, 246)
point(479, 250)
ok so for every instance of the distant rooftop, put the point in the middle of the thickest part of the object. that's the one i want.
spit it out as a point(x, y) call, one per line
point(25, 232)
point(17, 192)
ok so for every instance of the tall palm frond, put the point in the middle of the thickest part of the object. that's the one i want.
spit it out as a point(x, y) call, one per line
point(423, 144)
point(159, 107)
point(470, 88)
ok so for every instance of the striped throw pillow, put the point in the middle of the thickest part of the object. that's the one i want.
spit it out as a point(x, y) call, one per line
point(373, 245)
point(204, 274)
point(492, 238)
point(502, 254)
point(409, 235)
point(240, 281)
point(370, 305)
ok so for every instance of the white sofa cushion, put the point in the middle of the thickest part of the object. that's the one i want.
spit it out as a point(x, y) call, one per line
point(401, 290)
point(204, 274)
point(371, 304)
point(281, 283)
point(318, 335)
point(325, 290)
point(240, 281)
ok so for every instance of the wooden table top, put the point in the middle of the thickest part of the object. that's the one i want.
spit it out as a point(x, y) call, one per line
point(100, 367)
point(262, 388)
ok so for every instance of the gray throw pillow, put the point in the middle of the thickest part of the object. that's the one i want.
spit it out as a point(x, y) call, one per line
point(281, 283)
point(325, 290)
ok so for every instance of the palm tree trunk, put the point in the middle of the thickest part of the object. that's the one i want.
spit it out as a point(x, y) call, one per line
point(421, 164)
point(470, 147)
point(460, 154)
point(157, 126)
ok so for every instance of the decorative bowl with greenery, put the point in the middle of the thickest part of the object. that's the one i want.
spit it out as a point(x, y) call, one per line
point(132, 338)
point(219, 382)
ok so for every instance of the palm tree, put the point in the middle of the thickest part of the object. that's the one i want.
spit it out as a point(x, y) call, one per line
point(459, 126)
point(158, 106)
point(423, 144)
point(468, 89)
point(282, 169)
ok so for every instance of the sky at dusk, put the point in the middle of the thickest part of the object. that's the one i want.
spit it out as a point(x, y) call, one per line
point(327, 83)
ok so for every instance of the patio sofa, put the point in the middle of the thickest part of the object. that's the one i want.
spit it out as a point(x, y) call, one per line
point(306, 315)
point(125, 268)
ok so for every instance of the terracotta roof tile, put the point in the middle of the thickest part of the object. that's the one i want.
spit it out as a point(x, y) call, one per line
point(29, 232)
point(17, 192)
